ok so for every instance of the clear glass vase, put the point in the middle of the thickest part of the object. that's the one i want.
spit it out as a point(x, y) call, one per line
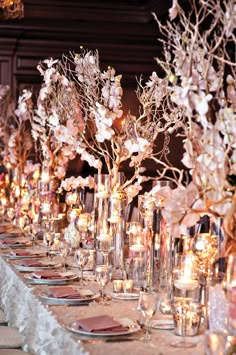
point(102, 234)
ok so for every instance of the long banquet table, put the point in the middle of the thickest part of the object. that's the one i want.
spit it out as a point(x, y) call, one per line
point(43, 327)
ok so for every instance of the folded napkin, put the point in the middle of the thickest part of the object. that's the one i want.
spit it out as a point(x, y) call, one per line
point(47, 274)
point(11, 241)
point(64, 292)
point(21, 252)
point(101, 324)
point(30, 263)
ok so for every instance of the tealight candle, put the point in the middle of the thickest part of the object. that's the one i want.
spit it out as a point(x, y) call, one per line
point(137, 248)
point(117, 286)
point(46, 207)
point(128, 285)
point(186, 284)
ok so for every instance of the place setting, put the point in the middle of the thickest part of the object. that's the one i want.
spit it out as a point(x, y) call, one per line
point(104, 326)
point(68, 295)
point(14, 243)
point(21, 254)
point(50, 277)
point(26, 265)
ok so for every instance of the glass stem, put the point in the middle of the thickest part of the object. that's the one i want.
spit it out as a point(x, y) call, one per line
point(103, 294)
point(65, 264)
point(184, 325)
point(81, 281)
point(147, 335)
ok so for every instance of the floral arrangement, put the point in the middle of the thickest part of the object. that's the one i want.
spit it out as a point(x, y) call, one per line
point(71, 235)
point(199, 75)
point(80, 112)
point(16, 142)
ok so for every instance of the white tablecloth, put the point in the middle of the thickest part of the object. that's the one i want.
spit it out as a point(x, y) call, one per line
point(43, 327)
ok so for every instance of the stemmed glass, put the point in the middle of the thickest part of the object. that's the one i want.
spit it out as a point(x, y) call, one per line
point(64, 250)
point(81, 258)
point(148, 304)
point(230, 289)
point(103, 277)
point(24, 224)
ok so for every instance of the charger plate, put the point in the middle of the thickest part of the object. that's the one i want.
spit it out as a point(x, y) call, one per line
point(15, 246)
point(125, 296)
point(133, 328)
point(9, 235)
point(48, 265)
point(88, 296)
point(59, 281)
point(7, 255)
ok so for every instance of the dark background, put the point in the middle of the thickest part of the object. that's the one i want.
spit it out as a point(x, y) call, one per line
point(124, 32)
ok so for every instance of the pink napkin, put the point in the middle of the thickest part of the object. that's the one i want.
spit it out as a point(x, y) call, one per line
point(20, 252)
point(11, 241)
point(64, 292)
point(33, 263)
point(101, 324)
point(47, 274)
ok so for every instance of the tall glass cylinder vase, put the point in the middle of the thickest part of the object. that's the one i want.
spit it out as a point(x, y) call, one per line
point(164, 248)
point(117, 222)
point(146, 209)
point(102, 234)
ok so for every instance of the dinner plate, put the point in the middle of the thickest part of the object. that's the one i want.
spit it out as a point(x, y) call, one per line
point(48, 265)
point(133, 328)
point(9, 235)
point(7, 255)
point(14, 246)
point(60, 281)
point(125, 296)
point(165, 324)
point(88, 296)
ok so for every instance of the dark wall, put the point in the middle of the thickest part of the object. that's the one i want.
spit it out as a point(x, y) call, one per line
point(123, 31)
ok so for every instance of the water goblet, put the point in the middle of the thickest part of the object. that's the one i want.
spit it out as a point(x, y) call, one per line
point(24, 224)
point(64, 250)
point(148, 305)
point(81, 258)
point(103, 277)
point(215, 342)
point(11, 213)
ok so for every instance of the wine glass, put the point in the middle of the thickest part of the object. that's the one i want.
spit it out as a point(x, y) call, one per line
point(229, 285)
point(148, 305)
point(103, 277)
point(24, 224)
point(215, 342)
point(81, 258)
point(64, 250)
point(11, 213)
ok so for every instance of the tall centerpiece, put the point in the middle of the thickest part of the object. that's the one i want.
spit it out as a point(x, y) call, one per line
point(80, 105)
point(199, 72)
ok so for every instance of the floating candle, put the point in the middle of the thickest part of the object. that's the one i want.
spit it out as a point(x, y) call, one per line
point(137, 247)
point(186, 284)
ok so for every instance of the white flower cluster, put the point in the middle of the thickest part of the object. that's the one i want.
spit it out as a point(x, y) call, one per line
point(71, 235)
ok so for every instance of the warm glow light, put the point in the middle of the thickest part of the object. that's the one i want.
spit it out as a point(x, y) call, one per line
point(11, 9)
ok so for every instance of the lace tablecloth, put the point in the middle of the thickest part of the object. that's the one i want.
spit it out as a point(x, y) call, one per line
point(44, 327)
